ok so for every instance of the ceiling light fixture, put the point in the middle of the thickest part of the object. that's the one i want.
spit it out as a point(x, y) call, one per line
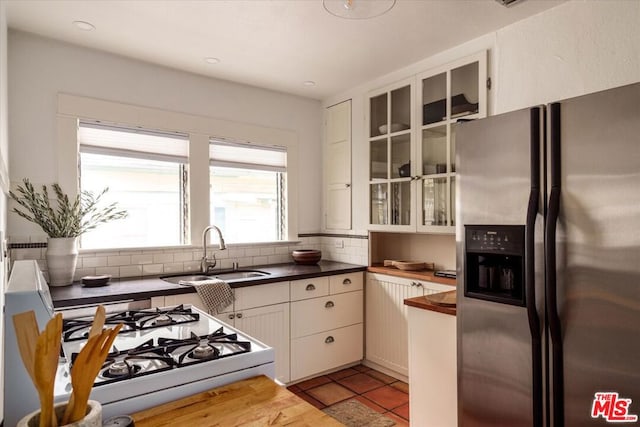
point(309, 83)
point(212, 60)
point(84, 25)
point(358, 9)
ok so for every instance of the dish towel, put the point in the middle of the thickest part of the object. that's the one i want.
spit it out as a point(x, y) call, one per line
point(215, 293)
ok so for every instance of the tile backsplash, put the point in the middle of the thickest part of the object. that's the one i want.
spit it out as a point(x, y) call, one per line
point(156, 261)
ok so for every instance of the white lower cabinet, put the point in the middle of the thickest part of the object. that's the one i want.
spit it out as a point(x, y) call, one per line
point(269, 324)
point(432, 368)
point(259, 311)
point(320, 329)
point(326, 324)
point(386, 322)
point(326, 350)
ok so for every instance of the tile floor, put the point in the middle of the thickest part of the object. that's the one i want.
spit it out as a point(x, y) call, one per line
point(380, 392)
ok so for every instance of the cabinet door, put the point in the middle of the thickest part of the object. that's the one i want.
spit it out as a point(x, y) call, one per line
point(345, 283)
point(390, 132)
point(386, 320)
point(322, 314)
point(260, 295)
point(194, 299)
point(446, 94)
point(337, 166)
point(270, 325)
point(320, 352)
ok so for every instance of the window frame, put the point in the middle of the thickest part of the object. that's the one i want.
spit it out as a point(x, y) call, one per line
point(200, 129)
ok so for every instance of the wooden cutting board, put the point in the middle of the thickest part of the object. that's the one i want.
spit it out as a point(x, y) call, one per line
point(257, 401)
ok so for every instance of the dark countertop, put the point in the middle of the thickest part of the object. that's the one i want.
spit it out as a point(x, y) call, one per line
point(145, 288)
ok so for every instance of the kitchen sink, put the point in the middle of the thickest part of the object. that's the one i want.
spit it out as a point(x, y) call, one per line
point(241, 274)
point(230, 276)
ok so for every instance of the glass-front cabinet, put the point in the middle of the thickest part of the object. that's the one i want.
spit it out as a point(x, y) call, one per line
point(391, 128)
point(412, 163)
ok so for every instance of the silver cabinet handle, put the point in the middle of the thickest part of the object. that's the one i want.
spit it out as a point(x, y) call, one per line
point(346, 282)
point(329, 340)
point(413, 283)
point(329, 304)
point(239, 315)
point(418, 284)
point(231, 316)
point(310, 287)
point(347, 185)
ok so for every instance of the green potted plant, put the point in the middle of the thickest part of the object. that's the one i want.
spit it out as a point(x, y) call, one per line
point(63, 223)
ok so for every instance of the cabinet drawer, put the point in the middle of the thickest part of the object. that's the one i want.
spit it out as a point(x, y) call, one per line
point(309, 288)
point(322, 314)
point(320, 352)
point(345, 283)
point(261, 295)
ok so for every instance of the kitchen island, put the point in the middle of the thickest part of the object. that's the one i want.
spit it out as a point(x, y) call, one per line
point(146, 288)
point(255, 401)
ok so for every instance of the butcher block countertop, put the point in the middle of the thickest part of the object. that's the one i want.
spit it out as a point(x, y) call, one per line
point(440, 302)
point(256, 401)
point(427, 275)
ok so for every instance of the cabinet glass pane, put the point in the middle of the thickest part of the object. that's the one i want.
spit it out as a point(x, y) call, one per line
point(401, 203)
point(400, 109)
point(378, 204)
point(453, 200)
point(434, 103)
point(434, 150)
point(401, 156)
point(464, 90)
point(434, 201)
point(378, 156)
point(453, 148)
point(377, 114)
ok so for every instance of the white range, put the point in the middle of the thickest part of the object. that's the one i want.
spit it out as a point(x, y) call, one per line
point(160, 355)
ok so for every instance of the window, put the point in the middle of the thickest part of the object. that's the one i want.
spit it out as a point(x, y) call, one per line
point(146, 174)
point(248, 191)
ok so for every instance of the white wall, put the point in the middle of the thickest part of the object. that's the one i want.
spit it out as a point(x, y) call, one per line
point(40, 68)
point(4, 145)
point(573, 49)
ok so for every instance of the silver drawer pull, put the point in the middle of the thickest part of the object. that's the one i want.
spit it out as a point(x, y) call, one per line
point(329, 340)
point(329, 304)
point(231, 316)
point(413, 283)
point(346, 282)
point(310, 287)
point(239, 315)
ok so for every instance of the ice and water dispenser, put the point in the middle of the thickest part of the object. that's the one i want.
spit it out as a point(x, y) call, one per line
point(494, 263)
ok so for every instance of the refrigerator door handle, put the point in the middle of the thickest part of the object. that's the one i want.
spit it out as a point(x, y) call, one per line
point(530, 277)
point(555, 330)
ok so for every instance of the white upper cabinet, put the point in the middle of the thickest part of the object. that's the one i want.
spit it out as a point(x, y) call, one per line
point(390, 138)
point(411, 137)
point(337, 167)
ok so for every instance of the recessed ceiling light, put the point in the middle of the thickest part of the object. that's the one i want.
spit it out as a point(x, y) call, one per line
point(84, 25)
point(212, 60)
point(309, 83)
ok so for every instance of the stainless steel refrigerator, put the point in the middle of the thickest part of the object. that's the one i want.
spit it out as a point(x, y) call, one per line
point(548, 250)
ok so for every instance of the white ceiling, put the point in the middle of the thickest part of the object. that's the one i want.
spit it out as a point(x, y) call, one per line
point(274, 44)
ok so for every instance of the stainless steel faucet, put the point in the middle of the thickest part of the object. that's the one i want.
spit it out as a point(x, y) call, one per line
point(207, 264)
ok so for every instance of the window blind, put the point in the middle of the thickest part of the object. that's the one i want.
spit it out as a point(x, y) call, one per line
point(245, 155)
point(99, 138)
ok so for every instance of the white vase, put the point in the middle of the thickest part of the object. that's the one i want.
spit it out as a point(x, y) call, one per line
point(92, 419)
point(62, 255)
